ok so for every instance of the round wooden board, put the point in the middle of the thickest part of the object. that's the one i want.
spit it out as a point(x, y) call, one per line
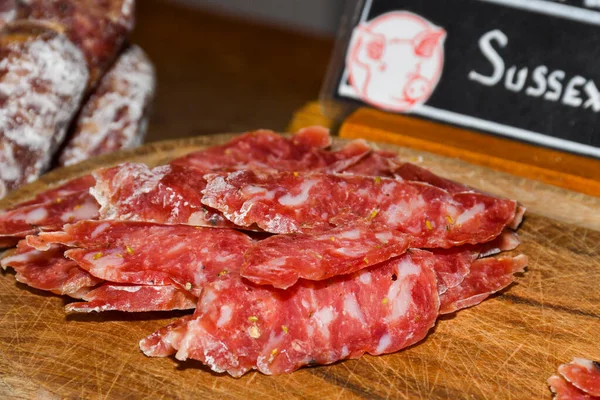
point(504, 348)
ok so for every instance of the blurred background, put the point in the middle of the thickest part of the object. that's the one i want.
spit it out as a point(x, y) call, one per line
point(234, 65)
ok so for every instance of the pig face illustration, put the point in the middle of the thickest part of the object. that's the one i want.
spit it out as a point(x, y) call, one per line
point(395, 60)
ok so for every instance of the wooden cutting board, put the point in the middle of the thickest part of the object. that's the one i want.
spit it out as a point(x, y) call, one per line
point(504, 348)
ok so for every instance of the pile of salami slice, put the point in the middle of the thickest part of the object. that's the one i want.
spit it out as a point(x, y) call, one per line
point(578, 380)
point(289, 253)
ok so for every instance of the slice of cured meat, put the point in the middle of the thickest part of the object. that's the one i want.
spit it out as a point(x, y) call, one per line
point(486, 276)
point(583, 374)
point(267, 150)
point(563, 390)
point(48, 270)
point(386, 164)
point(56, 194)
point(115, 117)
point(51, 215)
point(42, 80)
point(239, 327)
point(508, 240)
point(169, 194)
point(111, 297)
point(453, 265)
point(287, 203)
point(149, 254)
point(283, 259)
point(377, 163)
point(163, 342)
point(98, 27)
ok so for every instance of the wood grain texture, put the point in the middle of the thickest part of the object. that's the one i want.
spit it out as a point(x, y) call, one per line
point(504, 348)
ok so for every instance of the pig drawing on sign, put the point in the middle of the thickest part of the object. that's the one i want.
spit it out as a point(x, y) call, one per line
point(395, 60)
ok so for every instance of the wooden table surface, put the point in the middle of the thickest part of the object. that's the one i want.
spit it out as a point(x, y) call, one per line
point(219, 74)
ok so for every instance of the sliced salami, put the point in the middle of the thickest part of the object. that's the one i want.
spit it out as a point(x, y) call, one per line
point(563, 390)
point(163, 342)
point(486, 277)
point(98, 27)
point(379, 310)
point(149, 254)
point(267, 150)
point(42, 80)
point(377, 163)
point(56, 194)
point(287, 203)
point(110, 297)
point(283, 259)
point(49, 270)
point(51, 215)
point(115, 117)
point(583, 374)
point(169, 194)
point(386, 164)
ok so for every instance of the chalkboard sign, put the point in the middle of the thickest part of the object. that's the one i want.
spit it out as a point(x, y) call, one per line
point(524, 69)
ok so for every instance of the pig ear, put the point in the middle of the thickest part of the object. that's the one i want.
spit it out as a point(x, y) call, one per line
point(426, 42)
point(366, 33)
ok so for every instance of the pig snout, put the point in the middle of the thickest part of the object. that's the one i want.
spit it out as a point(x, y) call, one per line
point(417, 88)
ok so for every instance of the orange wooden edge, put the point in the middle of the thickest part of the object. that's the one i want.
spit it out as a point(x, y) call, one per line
point(566, 170)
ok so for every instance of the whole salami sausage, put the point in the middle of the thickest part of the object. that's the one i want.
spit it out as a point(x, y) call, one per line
point(42, 79)
point(8, 12)
point(98, 27)
point(116, 115)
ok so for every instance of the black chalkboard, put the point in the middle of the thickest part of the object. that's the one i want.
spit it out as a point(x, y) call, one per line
point(524, 69)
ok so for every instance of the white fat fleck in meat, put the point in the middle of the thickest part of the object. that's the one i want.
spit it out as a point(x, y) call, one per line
point(351, 252)
point(407, 268)
point(324, 317)
point(384, 237)
point(197, 218)
point(352, 234)
point(222, 257)
point(36, 216)
point(352, 308)
point(99, 229)
point(250, 190)
point(103, 262)
point(199, 276)
point(176, 248)
point(399, 293)
point(224, 316)
point(470, 213)
point(85, 211)
point(275, 263)
point(207, 298)
point(345, 352)
point(130, 289)
point(292, 201)
point(384, 343)
point(402, 211)
point(365, 277)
